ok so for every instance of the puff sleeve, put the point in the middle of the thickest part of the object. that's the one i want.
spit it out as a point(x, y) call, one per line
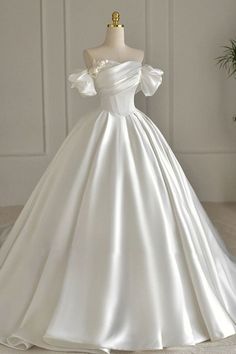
point(150, 79)
point(84, 83)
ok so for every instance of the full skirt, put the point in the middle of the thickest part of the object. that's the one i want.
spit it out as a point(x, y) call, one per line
point(113, 249)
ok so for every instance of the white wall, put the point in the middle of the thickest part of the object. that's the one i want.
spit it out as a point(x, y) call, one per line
point(41, 42)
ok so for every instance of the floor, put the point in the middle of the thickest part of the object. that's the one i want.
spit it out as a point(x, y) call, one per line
point(223, 216)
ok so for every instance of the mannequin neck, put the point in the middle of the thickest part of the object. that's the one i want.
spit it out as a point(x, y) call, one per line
point(115, 37)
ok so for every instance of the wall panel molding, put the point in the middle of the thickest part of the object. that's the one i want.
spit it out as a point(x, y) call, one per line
point(42, 65)
point(148, 44)
point(171, 72)
point(172, 114)
point(66, 59)
point(20, 172)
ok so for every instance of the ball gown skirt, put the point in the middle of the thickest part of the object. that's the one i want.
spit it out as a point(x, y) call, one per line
point(113, 249)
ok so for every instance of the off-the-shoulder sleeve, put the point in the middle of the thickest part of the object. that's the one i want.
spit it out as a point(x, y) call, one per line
point(150, 79)
point(84, 83)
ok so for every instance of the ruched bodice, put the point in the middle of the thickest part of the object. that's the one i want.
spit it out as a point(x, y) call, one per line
point(117, 83)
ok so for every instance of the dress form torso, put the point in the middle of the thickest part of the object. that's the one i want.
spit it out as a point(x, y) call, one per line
point(113, 48)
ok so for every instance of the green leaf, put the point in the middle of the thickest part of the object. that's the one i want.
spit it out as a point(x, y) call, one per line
point(227, 61)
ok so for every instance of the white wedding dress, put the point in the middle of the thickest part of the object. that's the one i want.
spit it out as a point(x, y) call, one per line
point(113, 249)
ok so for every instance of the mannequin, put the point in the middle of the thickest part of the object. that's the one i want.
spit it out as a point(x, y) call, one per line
point(113, 47)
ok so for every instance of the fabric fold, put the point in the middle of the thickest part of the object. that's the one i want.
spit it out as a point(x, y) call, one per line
point(151, 79)
point(83, 82)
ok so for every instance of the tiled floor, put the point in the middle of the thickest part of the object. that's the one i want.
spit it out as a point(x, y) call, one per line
point(223, 216)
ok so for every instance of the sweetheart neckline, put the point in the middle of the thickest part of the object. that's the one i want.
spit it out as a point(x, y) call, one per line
point(118, 63)
point(99, 64)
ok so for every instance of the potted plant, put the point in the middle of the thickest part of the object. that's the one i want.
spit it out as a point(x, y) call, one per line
point(228, 59)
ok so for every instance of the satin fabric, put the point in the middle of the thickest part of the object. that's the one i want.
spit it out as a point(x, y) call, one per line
point(113, 249)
